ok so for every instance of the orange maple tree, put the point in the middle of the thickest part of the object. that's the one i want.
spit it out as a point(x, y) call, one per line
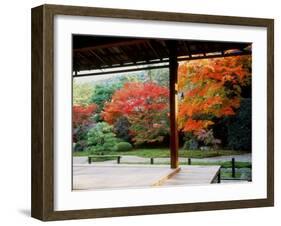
point(210, 88)
point(145, 105)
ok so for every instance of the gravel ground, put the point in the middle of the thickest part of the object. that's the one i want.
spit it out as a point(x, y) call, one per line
point(136, 159)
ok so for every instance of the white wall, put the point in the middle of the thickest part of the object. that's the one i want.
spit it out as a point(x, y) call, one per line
point(15, 111)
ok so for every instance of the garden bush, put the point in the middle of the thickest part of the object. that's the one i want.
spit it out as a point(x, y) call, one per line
point(124, 146)
point(207, 137)
point(122, 129)
point(101, 138)
point(80, 137)
point(191, 144)
point(80, 145)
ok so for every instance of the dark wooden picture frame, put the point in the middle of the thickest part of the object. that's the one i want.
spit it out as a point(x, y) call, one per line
point(42, 203)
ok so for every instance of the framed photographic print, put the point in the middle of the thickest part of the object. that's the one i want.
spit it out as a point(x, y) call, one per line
point(141, 112)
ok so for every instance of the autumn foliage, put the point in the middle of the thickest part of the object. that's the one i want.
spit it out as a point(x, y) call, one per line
point(145, 105)
point(210, 88)
point(82, 114)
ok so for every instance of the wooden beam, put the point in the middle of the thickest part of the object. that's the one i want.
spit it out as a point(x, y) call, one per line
point(173, 74)
point(97, 56)
point(120, 71)
point(179, 59)
point(154, 51)
point(111, 44)
point(214, 56)
point(188, 48)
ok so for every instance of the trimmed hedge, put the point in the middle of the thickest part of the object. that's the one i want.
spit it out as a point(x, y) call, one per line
point(124, 146)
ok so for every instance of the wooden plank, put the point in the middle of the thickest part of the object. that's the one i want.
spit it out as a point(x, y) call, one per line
point(153, 50)
point(90, 157)
point(112, 44)
point(190, 175)
point(101, 156)
point(270, 112)
point(42, 200)
point(87, 177)
point(120, 71)
point(162, 180)
point(37, 177)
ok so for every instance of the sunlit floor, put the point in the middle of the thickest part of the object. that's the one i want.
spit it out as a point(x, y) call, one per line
point(110, 176)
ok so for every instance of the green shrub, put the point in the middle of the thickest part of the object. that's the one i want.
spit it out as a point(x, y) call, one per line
point(191, 144)
point(122, 129)
point(80, 138)
point(80, 145)
point(124, 146)
point(101, 138)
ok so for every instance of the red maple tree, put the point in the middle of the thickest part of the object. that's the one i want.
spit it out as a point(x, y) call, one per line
point(145, 105)
point(82, 114)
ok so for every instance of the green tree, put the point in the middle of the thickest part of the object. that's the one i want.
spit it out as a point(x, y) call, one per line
point(103, 93)
point(239, 127)
point(81, 93)
point(159, 76)
point(101, 138)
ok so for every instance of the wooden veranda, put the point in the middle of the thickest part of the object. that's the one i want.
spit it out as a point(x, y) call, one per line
point(108, 55)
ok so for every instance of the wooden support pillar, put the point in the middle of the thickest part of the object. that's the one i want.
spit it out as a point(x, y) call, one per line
point(173, 73)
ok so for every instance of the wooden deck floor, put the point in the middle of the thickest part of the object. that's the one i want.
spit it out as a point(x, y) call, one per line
point(90, 177)
point(194, 175)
